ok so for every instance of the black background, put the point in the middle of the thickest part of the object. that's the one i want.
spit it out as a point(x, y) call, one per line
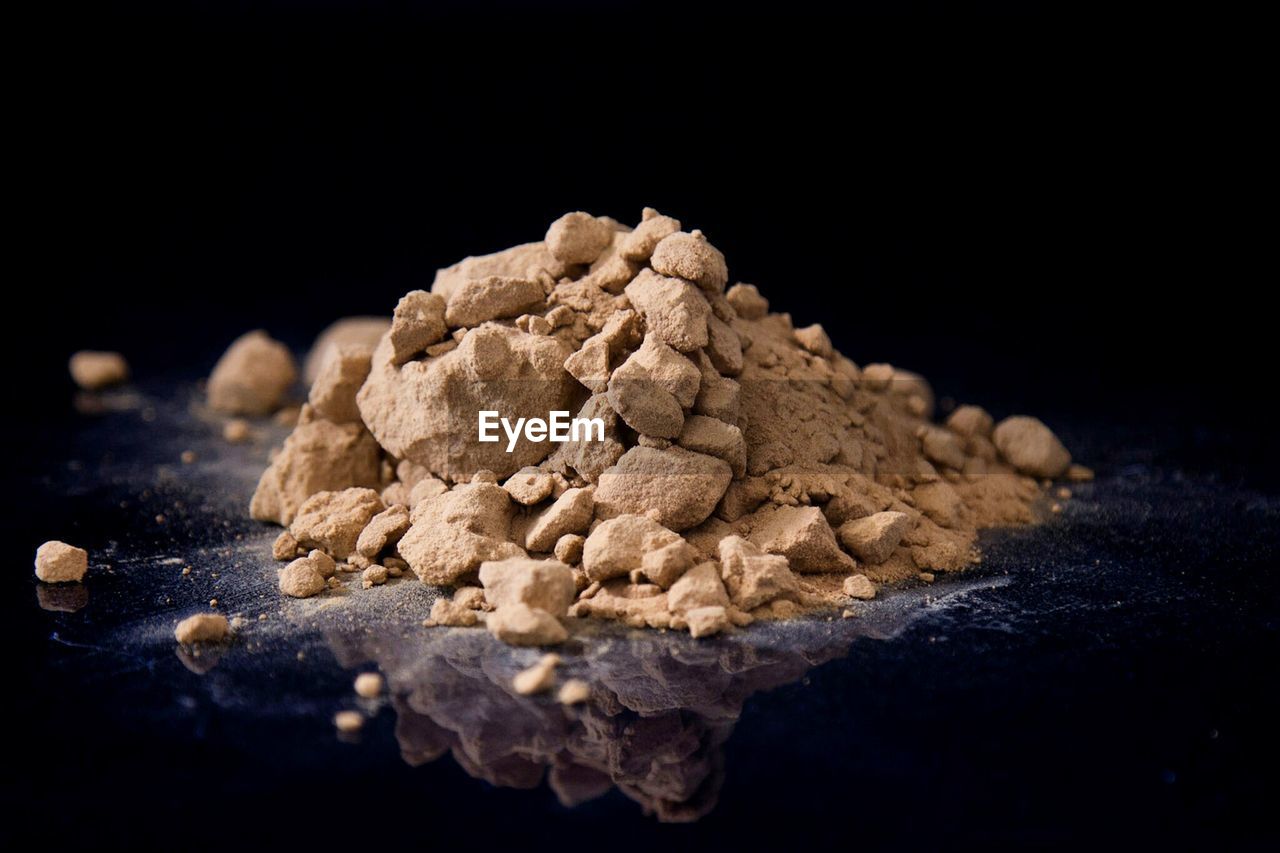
point(1039, 215)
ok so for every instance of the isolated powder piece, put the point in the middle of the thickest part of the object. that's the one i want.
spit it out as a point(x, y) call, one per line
point(348, 722)
point(301, 579)
point(58, 562)
point(202, 628)
point(252, 377)
point(94, 370)
point(575, 691)
point(368, 685)
point(236, 430)
point(1031, 447)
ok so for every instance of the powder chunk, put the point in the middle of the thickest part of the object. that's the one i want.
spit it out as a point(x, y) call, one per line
point(333, 394)
point(642, 403)
point(58, 562)
point(691, 257)
point(538, 678)
point(747, 301)
point(701, 586)
point(452, 534)
point(452, 614)
point(752, 577)
point(803, 536)
point(673, 309)
point(529, 486)
point(590, 364)
point(578, 238)
point(333, 521)
point(318, 456)
point(940, 502)
point(426, 410)
point(591, 458)
point(942, 447)
point(873, 538)
point(373, 576)
point(301, 579)
point(368, 685)
point(529, 261)
point(324, 564)
point(575, 691)
point(569, 548)
point(236, 430)
point(969, 421)
point(541, 584)
point(638, 245)
point(348, 722)
point(383, 529)
point(676, 487)
point(418, 322)
point(252, 376)
point(860, 587)
point(814, 339)
point(520, 625)
point(94, 370)
point(715, 438)
point(285, 547)
point(724, 347)
point(571, 513)
point(705, 621)
point(618, 546)
point(1031, 447)
point(202, 628)
point(491, 298)
point(358, 331)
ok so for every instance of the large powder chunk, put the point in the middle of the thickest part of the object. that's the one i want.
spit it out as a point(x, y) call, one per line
point(58, 562)
point(571, 513)
point(873, 538)
point(1031, 447)
point(94, 370)
point(419, 322)
point(529, 261)
point(803, 536)
point(492, 298)
point(452, 534)
point(673, 310)
point(690, 256)
point(754, 578)
point(427, 411)
point(333, 394)
point(619, 546)
point(252, 376)
point(541, 584)
point(675, 487)
point(318, 456)
point(332, 521)
point(578, 238)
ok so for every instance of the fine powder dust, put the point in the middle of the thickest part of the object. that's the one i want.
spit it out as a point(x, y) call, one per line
point(748, 470)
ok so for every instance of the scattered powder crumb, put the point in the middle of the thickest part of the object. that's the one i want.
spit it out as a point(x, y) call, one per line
point(369, 685)
point(202, 628)
point(927, 577)
point(58, 562)
point(859, 587)
point(348, 722)
point(373, 576)
point(187, 457)
point(94, 370)
point(537, 678)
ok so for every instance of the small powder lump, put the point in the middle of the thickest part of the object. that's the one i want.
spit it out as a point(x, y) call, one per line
point(202, 628)
point(94, 370)
point(58, 562)
point(748, 469)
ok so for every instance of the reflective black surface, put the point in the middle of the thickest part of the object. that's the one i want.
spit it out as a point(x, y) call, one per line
point(1108, 674)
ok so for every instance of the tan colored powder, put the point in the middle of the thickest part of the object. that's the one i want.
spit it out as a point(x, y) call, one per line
point(368, 685)
point(252, 377)
point(58, 562)
point(748, 470)
point(202, 628)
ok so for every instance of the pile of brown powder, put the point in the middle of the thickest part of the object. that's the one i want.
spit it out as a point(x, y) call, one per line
point(748, 470)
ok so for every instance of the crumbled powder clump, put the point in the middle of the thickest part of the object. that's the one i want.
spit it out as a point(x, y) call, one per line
point(538, 678)
point(748, 469)
point(94, 370)
point(202, 628)
point(58, 562)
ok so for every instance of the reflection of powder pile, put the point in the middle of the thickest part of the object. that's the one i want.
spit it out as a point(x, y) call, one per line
point(739, 450)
